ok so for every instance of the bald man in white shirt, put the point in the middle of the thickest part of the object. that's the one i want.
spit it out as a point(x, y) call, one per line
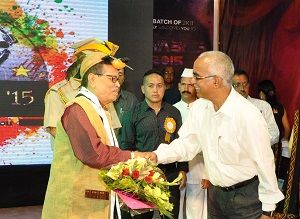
point(234, 138)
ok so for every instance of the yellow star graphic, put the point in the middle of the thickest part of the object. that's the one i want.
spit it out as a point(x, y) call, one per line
point(21, 71)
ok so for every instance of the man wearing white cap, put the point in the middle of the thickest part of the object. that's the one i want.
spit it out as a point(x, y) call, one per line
point(195, 191)
point(84, 143)
point(64, 91)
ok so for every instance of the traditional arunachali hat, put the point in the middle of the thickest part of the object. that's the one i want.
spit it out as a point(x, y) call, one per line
point(73, 70)
point(96, 52)
point(82, 43)
point(187, 73)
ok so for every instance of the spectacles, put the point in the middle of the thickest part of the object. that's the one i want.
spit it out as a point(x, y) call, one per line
point(197, 77)
point(169, 73)
point(237, 85)
point(113, 78)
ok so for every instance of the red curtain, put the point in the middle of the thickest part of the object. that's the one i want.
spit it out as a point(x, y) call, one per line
point(263, 38)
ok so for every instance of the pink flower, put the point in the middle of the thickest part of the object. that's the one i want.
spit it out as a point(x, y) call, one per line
point(135, 174)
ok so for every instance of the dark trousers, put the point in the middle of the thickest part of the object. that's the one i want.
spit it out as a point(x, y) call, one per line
point(235, 204)
point(174, 199)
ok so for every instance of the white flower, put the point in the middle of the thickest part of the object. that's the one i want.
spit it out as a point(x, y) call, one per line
point(157, 192)
point(156, 175)
point(113, 174)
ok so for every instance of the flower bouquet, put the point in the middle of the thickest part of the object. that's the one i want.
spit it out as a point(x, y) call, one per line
point(140, 180)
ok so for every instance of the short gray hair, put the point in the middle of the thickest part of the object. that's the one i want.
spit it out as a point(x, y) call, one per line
point(220, 64)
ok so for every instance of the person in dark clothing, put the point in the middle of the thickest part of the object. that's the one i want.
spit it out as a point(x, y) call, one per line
point(172, 94)
point(150, 123)
point(266, 91)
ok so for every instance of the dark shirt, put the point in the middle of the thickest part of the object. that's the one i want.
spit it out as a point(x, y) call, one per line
point(278, 118)
point(172, 95)
point(125, 101)
point(143, 130)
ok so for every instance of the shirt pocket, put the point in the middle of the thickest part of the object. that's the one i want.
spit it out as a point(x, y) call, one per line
point(228, 150)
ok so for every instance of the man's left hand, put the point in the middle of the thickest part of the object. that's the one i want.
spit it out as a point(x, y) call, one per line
point(183, 180)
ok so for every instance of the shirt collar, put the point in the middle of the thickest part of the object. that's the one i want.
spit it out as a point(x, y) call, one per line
point(231, 103)
point(145, 106)
point(187, 104)
point(75, 83)
point(228, 106)
point(121, 95)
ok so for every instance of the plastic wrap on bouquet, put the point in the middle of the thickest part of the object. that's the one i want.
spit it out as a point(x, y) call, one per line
point(132, 204)
point(141, 186)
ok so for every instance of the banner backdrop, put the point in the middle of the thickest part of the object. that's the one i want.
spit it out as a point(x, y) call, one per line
point(182, 30)
point(263, 38)
point(35, 40)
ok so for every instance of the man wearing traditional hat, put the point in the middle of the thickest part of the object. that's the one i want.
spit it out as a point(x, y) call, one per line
point(195, 192)
point(64, 91)
point(84, 143)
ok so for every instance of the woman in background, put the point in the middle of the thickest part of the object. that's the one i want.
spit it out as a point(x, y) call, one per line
point(266, 91)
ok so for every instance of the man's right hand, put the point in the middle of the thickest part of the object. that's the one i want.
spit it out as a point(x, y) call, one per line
point(205, 183)
point(151, 155)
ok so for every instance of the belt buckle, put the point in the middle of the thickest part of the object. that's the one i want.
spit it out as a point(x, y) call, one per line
point(227, 189)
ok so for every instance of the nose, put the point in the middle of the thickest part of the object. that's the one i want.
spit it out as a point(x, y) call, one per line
point(193, 81)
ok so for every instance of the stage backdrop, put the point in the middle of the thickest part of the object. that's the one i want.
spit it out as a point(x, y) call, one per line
point(182, 30)
point(35, 40)
point(263, 38)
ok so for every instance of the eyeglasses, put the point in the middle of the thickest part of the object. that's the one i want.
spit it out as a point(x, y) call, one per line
point(169, 73)
point(237, 85)
point(114, 78)
point(197, 77)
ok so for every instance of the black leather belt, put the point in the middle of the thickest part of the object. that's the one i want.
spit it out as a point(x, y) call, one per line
point(239, 185)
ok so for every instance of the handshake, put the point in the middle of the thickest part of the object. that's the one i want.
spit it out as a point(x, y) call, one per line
point(147, 155)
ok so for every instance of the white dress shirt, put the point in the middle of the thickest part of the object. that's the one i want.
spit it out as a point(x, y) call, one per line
point(235, 144)
point(196, 172)
point(267, 112)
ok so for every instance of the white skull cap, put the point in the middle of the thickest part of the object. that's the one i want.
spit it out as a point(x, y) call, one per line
point(187, 73)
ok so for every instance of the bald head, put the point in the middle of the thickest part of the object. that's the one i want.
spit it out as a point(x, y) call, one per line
point(213, 71)
point(216, 63)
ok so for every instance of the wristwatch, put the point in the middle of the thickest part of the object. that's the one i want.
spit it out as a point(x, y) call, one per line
point(268, 213)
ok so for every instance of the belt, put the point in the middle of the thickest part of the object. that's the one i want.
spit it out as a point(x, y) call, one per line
point(95, 194)
point(239, 185)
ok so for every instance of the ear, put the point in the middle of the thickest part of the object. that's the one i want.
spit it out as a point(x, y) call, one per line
point(179, 86)
point(91, 79)
point(218, 82)
point(143, 89)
